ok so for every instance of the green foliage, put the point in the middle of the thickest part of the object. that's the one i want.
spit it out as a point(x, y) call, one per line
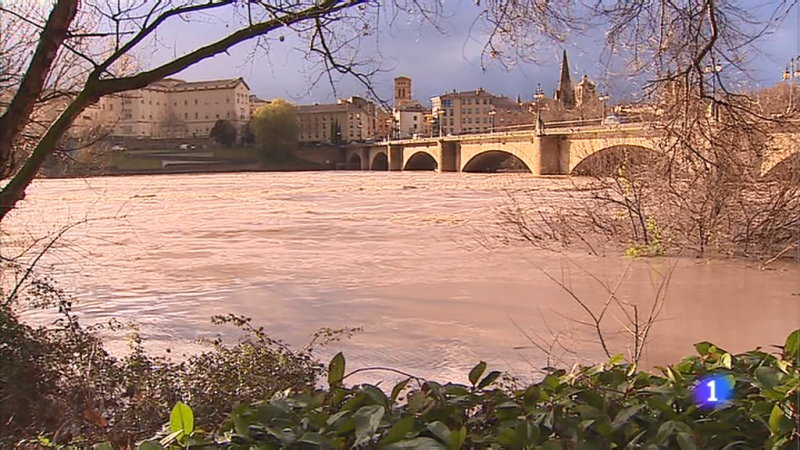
point(606, 406)
point(336, 133)
point(224, 132)
point(59, 385)
point(656, 245)
point(276, 130)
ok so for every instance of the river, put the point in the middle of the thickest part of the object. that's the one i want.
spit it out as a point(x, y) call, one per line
point(393, 252)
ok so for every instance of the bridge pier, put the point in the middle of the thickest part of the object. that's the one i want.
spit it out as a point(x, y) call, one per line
point(449, 156)
point(548, 157)
point(395, 154)
point(364, 159)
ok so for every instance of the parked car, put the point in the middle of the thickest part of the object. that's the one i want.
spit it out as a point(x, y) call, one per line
point(118, 148)
point(184, 147)
point(612, 120)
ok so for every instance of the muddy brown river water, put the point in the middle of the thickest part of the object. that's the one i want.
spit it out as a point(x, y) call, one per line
point(394, 253)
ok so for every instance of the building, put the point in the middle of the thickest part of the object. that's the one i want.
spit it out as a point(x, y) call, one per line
point(383, 122)
point(352, 119)
point(479, 111)
point(570, 102)
point(173, 108)
point(256, 103)
point(402, 91)
point(408, 115)
point(565, 93)
point(476, 111)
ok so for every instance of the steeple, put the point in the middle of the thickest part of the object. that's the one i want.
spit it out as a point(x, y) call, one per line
point(565, 93)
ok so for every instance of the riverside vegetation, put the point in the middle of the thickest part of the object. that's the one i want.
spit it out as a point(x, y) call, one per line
point(61, 389)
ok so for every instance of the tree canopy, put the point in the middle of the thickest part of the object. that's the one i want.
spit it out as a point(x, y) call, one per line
point(276, 130)
point(224, 132)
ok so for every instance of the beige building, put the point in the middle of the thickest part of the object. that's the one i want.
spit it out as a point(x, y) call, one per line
point(402, 91)
point(408, 115)
point(476, 112)
point(355, 118)
point(173, 108)
point(480, 112)
point(256, 103)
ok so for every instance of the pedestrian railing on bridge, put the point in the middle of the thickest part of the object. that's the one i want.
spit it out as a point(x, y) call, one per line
point(549, 128)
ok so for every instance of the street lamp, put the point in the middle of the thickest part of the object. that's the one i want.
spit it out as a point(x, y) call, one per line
point(791, 73)
point(537, 97)
point(492, 113)
point(713, 69)
point(440, 114)
point(604, 98)
point(388, 130)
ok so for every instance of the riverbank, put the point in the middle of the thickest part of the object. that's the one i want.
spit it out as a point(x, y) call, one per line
point(194, 169)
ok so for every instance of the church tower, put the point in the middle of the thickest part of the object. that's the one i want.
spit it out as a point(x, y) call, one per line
point(565, 93)
point(402, 91)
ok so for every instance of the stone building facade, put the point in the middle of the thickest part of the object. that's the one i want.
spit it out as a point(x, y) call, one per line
point(479, 111)
point(355, 118)
point(173, 108)
point(476, 111)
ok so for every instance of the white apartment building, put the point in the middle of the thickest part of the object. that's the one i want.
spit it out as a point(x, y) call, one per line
point(174, 108)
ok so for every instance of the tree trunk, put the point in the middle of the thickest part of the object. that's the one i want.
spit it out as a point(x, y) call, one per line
point(19, 111)
point(14, 191)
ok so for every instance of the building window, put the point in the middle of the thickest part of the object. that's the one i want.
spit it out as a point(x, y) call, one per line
point(415, 119)
point(175, 104)
point(186, 102)
point(227, 114)
point(185, 115)
point(206, 116)
point(195, 115)
point(227, 100)
point(195, 101)
point(217, 116)
point(151, 116)
point(150, 102)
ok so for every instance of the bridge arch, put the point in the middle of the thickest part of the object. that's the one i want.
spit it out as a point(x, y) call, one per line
point(493, 161)
point(380, 161)
point(421, 160)
point(609, 160)
point(354, 162)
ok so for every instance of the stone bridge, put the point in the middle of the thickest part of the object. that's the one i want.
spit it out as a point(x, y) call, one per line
point(552, 151)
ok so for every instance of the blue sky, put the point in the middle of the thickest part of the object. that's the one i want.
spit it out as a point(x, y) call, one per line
point(436, 62)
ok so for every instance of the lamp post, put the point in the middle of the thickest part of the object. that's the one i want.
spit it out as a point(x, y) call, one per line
point(388, 130)
point(537, 97)
point(713, 69)
point(792, 73)
point(492, 113)
point(440, 114)
point(604, 98)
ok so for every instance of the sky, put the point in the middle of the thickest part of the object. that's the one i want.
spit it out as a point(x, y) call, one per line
point(436, 61)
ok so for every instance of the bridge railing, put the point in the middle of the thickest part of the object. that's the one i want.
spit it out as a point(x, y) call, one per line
point(569, 126)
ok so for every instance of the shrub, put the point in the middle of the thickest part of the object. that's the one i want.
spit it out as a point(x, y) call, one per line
point(610, 405)
point(60, 382)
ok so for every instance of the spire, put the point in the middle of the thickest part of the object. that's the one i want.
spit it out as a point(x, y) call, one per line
point(519, 100)
point(564, 93)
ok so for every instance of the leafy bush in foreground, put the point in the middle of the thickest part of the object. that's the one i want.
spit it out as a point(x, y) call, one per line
point(606, 406)
point(60, 382)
